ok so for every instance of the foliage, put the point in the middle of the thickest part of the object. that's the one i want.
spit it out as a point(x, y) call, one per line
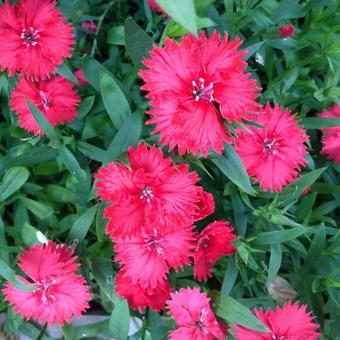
point(47, 183)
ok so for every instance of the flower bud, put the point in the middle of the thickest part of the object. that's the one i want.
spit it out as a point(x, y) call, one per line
point(280, 290)
point(286, 31)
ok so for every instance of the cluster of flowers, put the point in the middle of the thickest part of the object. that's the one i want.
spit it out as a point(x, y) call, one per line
point(153, 205)
point(198, 88)
point(34, 40)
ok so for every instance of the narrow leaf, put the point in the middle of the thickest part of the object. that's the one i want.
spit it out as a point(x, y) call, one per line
point(232, 167)
point(120, 320)
point(279, 236)
point(114, 100)
point(234, 312)
point(8, 274)
point(43, 123)
point(82, 225)
point(13, 180)
point(138, 43)
point(320, 123)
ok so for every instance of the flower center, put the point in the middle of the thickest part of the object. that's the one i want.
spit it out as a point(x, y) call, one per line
point(44, 100)
point(202, 92)
point(153, 242)
point(146, 195)
point(278, 337)
point(46, 289)
point(270, 145)
point(200, 323)
point(30, 36)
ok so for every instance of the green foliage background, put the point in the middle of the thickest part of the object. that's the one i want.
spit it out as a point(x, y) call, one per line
point(47, 183)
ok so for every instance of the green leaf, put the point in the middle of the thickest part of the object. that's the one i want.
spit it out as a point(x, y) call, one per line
point(302, 183)
point(128, 135)
point(274, 262)
point(43, 123)
point(82, 225)
point(8, 274)
point(120, 320)
point(31, 235)
point(279, 236)
point(114, 100)
point(182, 11)
point(138, 43)
point(74, 168)
point(42, 211)
point(234, 312)
point(252, 49)
point(66, 72)
point(85, 106)
point(320, 123)
point(91, 151)
point(232, 167)
point(13, 180)
point(116, 36)
point(229, 277)
point(288, 9)
point(92, 69)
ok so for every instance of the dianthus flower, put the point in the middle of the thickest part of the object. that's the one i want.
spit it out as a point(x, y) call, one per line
point(213, 242)
point(152, 191)
point(147, 257)
point(331, 136)
point(34, 38)
point(193, 87)
point(59, 292)
point(138, 297)
point(286, 31)
point(291, 322)
point(274, 153)
point(56, 98)
point(193, 316)
point(154, 6)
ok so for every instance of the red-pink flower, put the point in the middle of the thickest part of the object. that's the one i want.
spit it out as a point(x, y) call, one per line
point(331, 136)
point(89, 25)
point(213, 242)
point(147, 257)
point(138, 297)
point(79, 74)
point(286, 31)
point(205, 205)
point(59, 292)
point(291, 322)
point(56, 98)
point(274, 153)
point(193, 87)
point(151, 192)
point(154, 6)
point(34, 38)
point(193, 316)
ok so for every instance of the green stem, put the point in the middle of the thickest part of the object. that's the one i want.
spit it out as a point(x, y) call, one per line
point(99, 26)
point(42, 332)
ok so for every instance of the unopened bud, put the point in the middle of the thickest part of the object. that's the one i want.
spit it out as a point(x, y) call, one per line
point(280, 290)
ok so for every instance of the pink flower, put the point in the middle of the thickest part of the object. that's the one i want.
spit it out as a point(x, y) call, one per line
point(286, 31)
point(213, 242)
point(152, 192)
point(56, 98)
point(291, 322)
point(89, 25)
point(79, 74)
point(193, 87)
point(34, 38)
point(154, 6)
point(331, 136)
point(147, 258)
point(193, 316)
point(59, 292)
point(139, 297)
point(205, 205)
point(273, 154)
